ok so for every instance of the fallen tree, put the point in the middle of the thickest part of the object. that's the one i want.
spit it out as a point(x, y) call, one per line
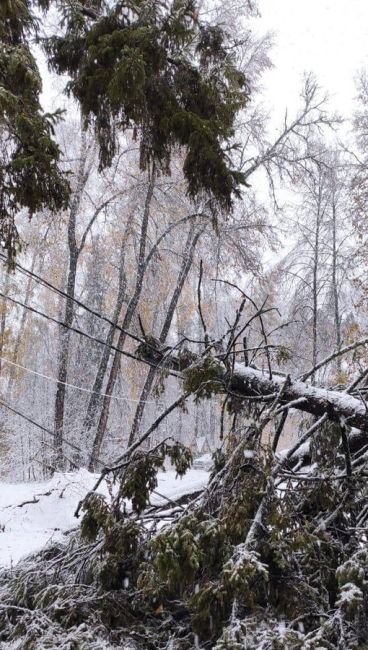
point(243, 382)
point(272, 554)
point(266, 556)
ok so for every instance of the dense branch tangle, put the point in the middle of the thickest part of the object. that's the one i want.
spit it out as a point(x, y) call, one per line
point(244, 547)
point(247, 382)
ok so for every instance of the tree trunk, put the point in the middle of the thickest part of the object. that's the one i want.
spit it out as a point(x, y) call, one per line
point(335, 288)
point(24, 318)
point(185, 268)
point(69, 308)
point(133, 302)
point(101, 372)
point(63, 362)
point(3, 315)
point(248, 382)
point(315, 291)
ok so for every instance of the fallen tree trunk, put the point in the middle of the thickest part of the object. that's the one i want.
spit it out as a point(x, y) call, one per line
point(338, 405)
point(247, 382)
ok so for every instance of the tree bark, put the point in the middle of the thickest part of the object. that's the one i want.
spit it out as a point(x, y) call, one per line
point(183, 274)
point(104, 360)
point(3, 315)
point(133, 302)
point(69, 307)
point(306, 398)
point(25, 313)
point(335, 289)
point(315, 286)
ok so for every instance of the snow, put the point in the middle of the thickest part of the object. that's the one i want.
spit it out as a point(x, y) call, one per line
point(203, 462)
point(342, 401)
point(25, 529)
point(349, 594)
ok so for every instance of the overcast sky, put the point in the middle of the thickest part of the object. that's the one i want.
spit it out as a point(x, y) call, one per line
point(329, 37)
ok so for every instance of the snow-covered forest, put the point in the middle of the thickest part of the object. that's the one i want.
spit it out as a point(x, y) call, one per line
point(183, 335)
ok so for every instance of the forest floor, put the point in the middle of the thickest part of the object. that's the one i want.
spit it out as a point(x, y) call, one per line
point(34, 514)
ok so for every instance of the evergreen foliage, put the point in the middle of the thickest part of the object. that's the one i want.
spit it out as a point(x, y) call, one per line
point(30, 175)
point(302, 582)
point(150, 67)
point(153, 68)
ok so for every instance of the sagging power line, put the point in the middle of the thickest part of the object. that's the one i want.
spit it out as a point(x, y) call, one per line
point(64, 294)
point(39, 426)
point(78, 331)
point(81, 388)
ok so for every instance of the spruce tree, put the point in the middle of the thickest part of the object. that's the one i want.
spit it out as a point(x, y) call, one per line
point(30, 174)
point(149, 67)
point(155, 69)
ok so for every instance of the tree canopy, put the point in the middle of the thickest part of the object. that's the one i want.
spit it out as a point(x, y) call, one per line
point(150, 67)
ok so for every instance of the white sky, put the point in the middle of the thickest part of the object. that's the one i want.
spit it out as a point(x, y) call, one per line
point(328, 37)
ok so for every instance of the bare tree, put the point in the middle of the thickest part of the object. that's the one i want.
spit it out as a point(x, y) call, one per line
point(188, 255)
point(316, 270)
point(75, 248)
point(130, 311)
point(287, 156)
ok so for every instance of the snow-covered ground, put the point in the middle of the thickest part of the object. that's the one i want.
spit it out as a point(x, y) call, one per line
point(33, 514)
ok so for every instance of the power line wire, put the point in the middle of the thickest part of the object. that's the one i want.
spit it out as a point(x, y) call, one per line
point(80, 332)
point(40, 426)
point(62, 293)
point(81, 388)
